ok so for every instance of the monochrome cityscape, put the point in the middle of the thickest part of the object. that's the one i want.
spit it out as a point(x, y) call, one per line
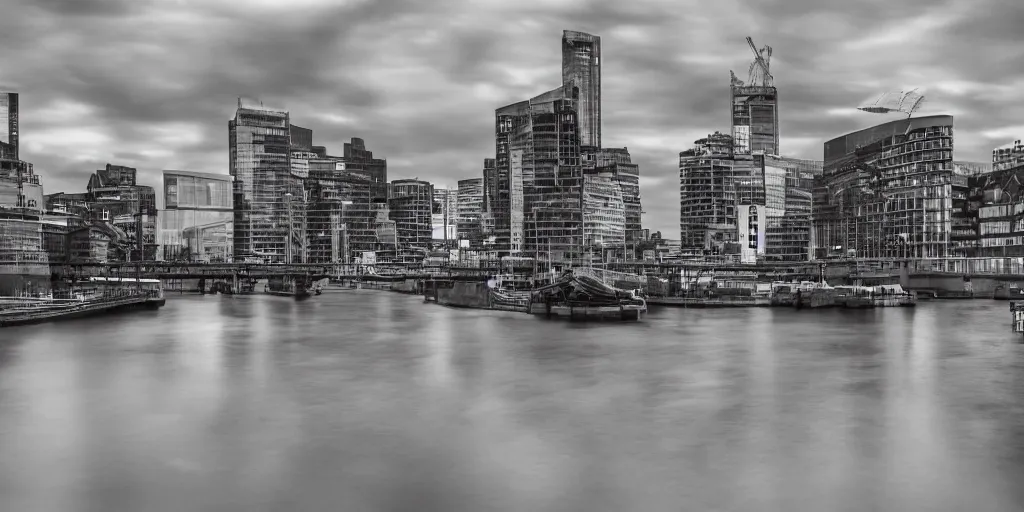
point(265, 317)
point(549, 192)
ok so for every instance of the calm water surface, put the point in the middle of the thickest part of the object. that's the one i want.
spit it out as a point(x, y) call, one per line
point(367, 400)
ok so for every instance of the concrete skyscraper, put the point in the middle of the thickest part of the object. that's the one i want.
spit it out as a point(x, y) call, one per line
point(581, 67)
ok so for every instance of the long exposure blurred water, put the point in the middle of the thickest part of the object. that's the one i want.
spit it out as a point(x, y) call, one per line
point(368, 400)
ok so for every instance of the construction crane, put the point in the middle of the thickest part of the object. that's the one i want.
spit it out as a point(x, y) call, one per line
point(906, 102)
point(759, 73)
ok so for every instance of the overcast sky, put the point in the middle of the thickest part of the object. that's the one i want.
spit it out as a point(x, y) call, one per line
point(152, 83)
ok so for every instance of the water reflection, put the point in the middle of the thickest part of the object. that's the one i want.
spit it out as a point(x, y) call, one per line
point(365, 400)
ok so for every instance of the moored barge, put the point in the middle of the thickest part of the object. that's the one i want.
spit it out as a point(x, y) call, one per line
point(101, 295)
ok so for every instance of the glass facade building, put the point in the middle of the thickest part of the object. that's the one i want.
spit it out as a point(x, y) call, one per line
point(713, 181)
point(470, 209)
point(627, 174)
point(604, 220)
point(260, 162)
point(788, 184)
point(581, 67)
point(755, 119)
point(9, 125)
point(411, 207)
point(197, 223)
point(887, 191)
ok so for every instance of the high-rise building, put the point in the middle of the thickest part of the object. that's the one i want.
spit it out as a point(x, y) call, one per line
point(788, 183)
point(548, 159)
point(19, 185)
point(581, 67)
point(197, 222)
point(358, 159)
point(264, 186)
point(713, 181)
point(886, 191)
point(410, 205)
point(9, 125)
point(513, 151)
point(470, 210)
point(627, 174)
point(755, 117)
point(340, 214)
point(490, 175)
point(539, 176)
point(444, 215)
point(604, 220)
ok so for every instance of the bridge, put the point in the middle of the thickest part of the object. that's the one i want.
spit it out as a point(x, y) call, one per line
point(870, 269)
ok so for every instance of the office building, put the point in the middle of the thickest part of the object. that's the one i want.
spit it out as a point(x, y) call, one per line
point(410, 205)
point(886, 191)
point(490, 174)
point(342, 213)
point(627, 174)
point(19, 185)
point(24, 263)
point(788, 184)
point(444, 216)
point(197, 222)
point(581, 67)
point(755, 107)
point(470, 210)
point(713, 182)
point(992, 226)
point(9, 126)
point(549, 162)
point(259, 162)
point(604, 220)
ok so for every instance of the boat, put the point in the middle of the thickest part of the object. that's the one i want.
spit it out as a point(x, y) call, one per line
point(892, 295)
point(854, 297)
point(1009, 291)
point(581, 297)
point(98, 295)
point(297, 287)
point(814, 295)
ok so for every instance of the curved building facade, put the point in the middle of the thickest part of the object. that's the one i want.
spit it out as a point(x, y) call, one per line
point(886, 191)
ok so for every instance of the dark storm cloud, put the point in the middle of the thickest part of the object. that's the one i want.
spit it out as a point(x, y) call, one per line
point(152, 83)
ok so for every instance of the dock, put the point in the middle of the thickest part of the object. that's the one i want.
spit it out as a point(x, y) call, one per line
point(106, 294)
point(737, 301)
point(37, 312)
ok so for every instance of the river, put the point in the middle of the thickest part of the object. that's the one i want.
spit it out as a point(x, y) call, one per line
point(369, 400)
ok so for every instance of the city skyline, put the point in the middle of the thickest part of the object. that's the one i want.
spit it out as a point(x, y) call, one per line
point(154, 93)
